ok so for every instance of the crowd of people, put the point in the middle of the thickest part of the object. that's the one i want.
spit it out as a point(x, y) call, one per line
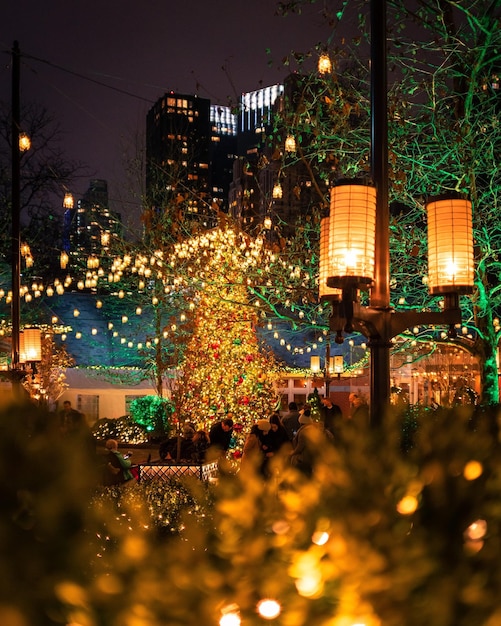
point(296, 436)
point(293, 437)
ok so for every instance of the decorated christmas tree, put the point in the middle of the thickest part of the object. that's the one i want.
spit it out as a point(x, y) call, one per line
point(225, 372)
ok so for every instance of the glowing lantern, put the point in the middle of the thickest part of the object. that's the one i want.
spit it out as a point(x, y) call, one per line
point(30, 345)
point(277, 192)
point(450, 246)
point(324, 64)
point(290, 144)
point(24, 142)
point(92, 261)
point(68, 201)
point(352, 228)
point(338, 364)
point(315, 364)
point(323, 290)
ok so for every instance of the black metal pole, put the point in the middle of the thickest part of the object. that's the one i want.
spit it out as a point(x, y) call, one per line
point(380, 293)
point(15, 208)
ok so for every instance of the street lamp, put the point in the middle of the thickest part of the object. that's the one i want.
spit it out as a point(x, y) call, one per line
point(358, 254)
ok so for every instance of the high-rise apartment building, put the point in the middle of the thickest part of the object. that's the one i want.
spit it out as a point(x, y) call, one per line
point(91, 227)
point(202, 158)
point(190, 147)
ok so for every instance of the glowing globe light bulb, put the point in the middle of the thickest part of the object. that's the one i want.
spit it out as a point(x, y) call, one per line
point(268, 608)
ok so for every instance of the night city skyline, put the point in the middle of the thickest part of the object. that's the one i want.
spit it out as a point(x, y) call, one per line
point(99, 68)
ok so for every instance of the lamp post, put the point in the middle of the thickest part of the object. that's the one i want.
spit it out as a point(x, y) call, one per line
point(31, 349)
point(358, 255)
point(15, 208)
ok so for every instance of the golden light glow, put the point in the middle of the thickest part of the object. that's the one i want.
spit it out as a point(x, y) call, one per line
point(63, 260)
point(290, 144)
point(324, 64)
point(30, 345)
point(324, 291)
point(230, 616)
point(315, 364)
point(352, 227)
point(92, 262)
point(277, 191)
point(68, 201)
point(24, 142)
point(477, 530)
point(473, 470)
point(450, 246)
point(407, 505)
point(268, 609)
point(320, 537)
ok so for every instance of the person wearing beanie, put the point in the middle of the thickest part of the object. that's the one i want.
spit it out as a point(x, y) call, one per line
point(302, 456)
point(264, 425)
point(290, 420)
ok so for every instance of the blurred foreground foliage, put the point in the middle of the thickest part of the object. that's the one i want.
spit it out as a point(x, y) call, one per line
point(378, 536)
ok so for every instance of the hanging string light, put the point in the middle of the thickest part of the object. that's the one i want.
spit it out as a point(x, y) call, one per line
point(324, 64)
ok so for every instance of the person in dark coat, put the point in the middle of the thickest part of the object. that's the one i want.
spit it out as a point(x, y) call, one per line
point(220, 437)
point(180, 448)
point(290, 420)
point(70, 420)
point(332, 418)
point(200, 443)
point(278, 436)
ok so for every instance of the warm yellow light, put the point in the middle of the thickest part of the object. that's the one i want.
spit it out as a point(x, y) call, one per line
point(315, 364)
point(30, 345)
point(320, 537)
point(68, 201)
point(407, 505)
point(324, 64)
point(352, 227)
point(277, 191)
point(230, 616)
point(290, 144)
point(338, 364)
point(473, 470)
point(63, 259)
point(267, 223)
point(324, 291)
point(92, 261)
point(268, 609)
point(450, 246)
point(477, 530)
point(24, 142)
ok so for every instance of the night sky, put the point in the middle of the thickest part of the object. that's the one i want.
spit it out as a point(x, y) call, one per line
point(134, 52)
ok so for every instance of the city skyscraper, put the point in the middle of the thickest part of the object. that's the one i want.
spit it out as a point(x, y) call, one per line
point(91, 226)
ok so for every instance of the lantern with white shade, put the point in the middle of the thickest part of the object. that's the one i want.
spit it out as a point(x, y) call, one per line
point(352, 227)
point(450, 245)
